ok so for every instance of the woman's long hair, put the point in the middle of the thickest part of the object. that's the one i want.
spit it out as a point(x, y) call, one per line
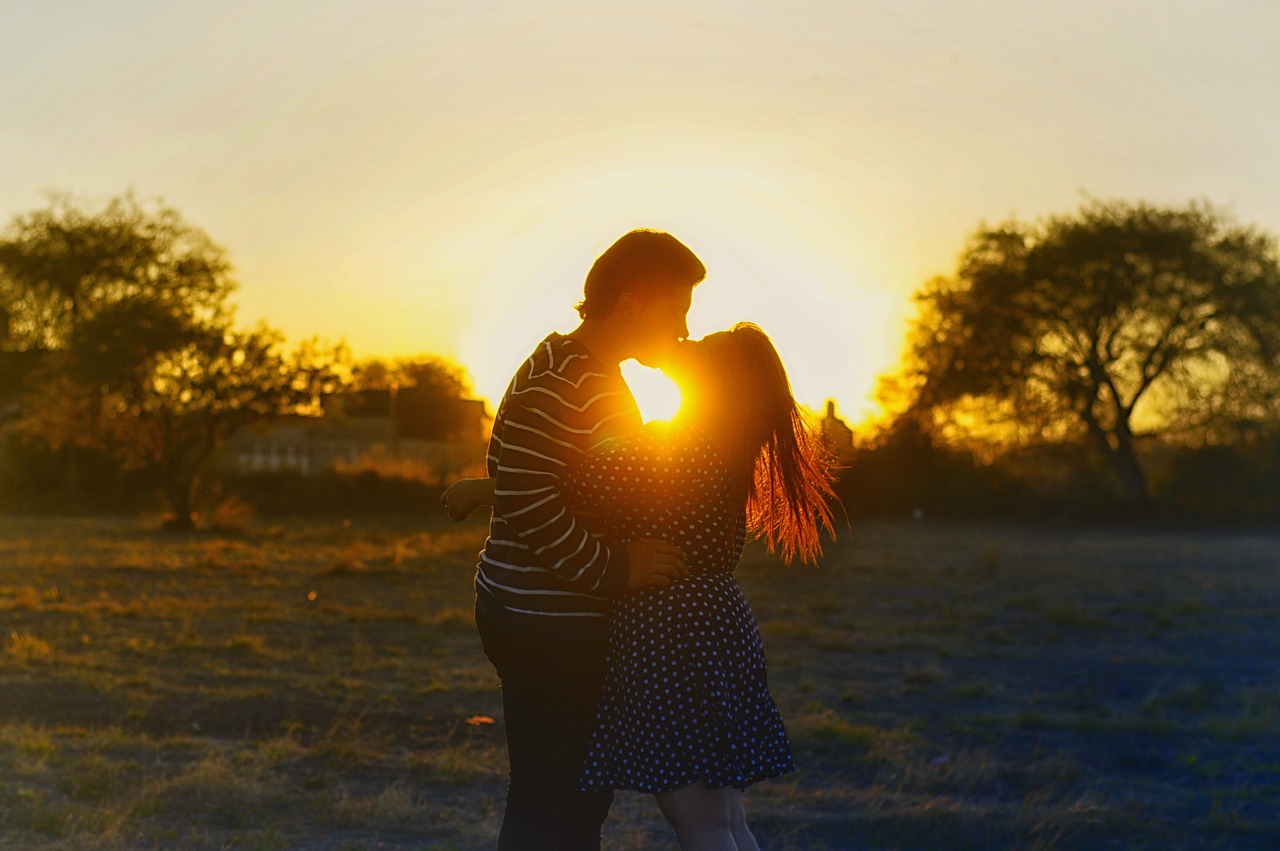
point(742, 395)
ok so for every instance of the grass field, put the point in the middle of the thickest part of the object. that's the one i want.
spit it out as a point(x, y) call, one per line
point(319, 685)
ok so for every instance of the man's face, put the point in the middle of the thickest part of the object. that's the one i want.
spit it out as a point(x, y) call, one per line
point(660, 324)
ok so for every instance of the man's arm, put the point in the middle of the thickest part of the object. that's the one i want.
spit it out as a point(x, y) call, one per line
point(651, 561)
point(545, 421)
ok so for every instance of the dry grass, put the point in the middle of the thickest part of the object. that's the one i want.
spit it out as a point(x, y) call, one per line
point(309, 685)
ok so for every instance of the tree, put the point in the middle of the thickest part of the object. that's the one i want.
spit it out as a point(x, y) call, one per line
point(200, 394)
point(67, 266)
point(1120, 322)
point(64, 263)
point(170, 412)
point(127, 308)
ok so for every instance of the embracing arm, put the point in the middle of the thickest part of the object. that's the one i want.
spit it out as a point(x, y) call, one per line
point(533, 459)
point(650, 561)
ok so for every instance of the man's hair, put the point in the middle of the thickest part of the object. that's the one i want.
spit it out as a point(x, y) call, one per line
point(646, 263)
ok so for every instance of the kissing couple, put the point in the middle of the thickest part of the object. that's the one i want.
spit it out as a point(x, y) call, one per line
point(605, 592)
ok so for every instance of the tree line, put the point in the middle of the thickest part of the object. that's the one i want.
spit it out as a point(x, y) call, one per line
point(120, 350)
point(1118, 360)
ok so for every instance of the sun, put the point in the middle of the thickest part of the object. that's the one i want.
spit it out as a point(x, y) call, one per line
point(771, 260)
point(656, 394)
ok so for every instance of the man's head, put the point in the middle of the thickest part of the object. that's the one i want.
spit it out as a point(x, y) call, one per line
point(641, 286)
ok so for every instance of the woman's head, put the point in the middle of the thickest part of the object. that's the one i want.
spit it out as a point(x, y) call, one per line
point(735, 387)
point(734, 384)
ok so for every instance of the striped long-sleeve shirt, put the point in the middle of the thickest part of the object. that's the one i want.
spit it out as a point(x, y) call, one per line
point(542, 557)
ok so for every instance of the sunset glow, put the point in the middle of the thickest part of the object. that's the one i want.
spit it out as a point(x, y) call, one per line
point(770, 259)
point(282, 564)
point(436, 178)
point(657, 395)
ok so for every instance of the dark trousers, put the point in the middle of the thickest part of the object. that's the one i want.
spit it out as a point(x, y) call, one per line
point(551, 676)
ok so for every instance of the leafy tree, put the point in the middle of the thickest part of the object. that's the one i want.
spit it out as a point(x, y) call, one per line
point(200, 394)
point(169, 412)
point(1116, 323)
point(64, 266)
point(64, 263)
point(138, 358)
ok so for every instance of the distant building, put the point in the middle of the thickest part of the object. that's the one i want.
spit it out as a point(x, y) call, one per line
point(377, 427)
point(836, 435)
point(413, 413)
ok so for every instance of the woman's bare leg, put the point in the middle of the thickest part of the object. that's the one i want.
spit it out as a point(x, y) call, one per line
point(702, 817)
point(738, 824)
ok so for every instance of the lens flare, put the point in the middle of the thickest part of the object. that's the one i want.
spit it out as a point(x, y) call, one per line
point(656, 394)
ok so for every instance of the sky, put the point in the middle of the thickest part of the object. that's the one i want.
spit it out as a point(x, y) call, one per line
point(436, 177)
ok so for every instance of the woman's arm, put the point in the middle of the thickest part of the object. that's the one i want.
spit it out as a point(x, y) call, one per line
point(465, 495)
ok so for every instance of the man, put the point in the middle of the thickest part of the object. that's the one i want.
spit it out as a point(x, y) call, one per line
point(545, 582)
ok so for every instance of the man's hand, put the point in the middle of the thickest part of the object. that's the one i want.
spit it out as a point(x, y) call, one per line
point(654, 563)
point(465, 495)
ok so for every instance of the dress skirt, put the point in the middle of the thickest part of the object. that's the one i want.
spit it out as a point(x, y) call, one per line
point(686, 694)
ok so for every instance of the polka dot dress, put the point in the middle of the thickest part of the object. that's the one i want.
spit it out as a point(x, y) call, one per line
point(686, 694)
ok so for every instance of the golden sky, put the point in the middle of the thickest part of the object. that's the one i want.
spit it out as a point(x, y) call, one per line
point(436, 177)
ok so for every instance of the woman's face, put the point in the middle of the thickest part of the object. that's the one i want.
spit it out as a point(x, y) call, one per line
point(698, 367)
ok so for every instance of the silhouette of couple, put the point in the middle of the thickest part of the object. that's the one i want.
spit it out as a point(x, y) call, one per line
point(605, 594)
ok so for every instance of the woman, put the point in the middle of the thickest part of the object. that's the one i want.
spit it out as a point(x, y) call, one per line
point(685, 713)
